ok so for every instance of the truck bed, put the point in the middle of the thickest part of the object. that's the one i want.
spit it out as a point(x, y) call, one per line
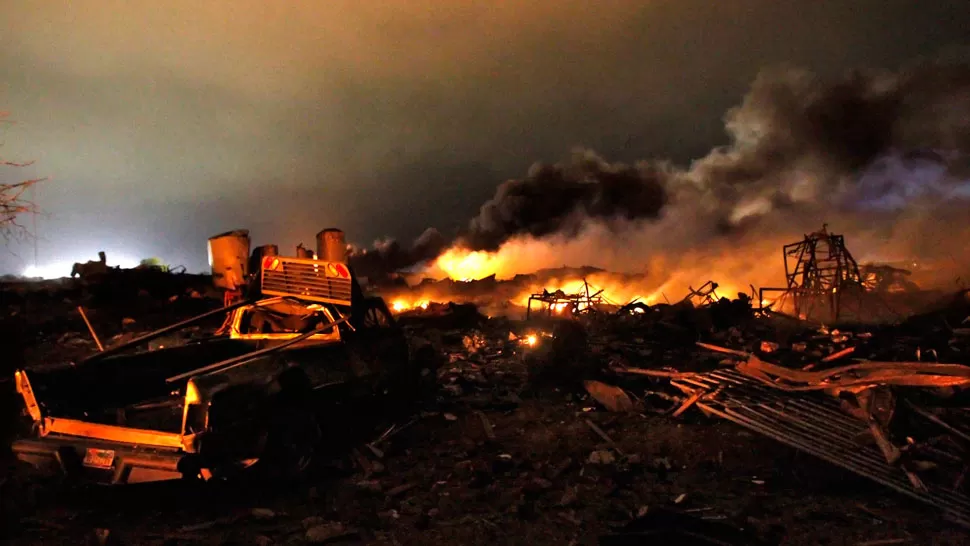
point(130, 390)
point(120, 420)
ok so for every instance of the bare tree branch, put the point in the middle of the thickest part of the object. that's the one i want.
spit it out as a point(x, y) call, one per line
point(13, 202)
point(12, 164)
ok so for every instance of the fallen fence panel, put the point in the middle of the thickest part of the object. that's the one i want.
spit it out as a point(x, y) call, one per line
point(816, 425)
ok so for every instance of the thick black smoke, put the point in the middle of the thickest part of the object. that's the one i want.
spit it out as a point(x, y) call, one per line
point(560, 199)
point(798, 140)
point(389, 255)
point(869, 147)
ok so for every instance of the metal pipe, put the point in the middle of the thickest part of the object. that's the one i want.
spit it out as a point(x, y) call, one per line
point(162, 331)
point(846, 455)
point(800, 415)
point(875, 469)
point(937, 421)
point(803, 422)
point(94, 334)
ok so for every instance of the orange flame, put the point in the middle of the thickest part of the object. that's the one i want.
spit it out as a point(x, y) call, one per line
point(465, 265)
point(400, 305)
point(460, 264)
point(661, 277)
point(611, 290)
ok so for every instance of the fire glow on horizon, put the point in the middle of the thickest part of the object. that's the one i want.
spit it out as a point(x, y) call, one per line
point(458, 264)
point(525, 256)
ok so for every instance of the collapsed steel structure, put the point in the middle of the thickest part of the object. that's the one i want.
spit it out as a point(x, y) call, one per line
point(825, 282)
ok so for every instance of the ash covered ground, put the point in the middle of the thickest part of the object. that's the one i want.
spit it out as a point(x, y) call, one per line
point(512, 447)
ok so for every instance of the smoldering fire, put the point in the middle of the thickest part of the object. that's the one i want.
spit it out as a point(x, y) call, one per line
point(880, 155)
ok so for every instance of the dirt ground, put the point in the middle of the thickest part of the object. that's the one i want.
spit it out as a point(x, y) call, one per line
point(490, 459)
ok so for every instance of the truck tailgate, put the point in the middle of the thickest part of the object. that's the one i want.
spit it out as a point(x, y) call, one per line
point(96, 451)
point(98, 460)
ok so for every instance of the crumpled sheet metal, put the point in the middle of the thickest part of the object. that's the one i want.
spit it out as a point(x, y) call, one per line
point(817, 425)
point(906, 374)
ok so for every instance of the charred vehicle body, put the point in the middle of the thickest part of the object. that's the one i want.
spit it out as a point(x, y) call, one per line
point(299, 336)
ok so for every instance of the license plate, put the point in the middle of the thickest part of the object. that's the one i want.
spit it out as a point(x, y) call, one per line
point(99, 458)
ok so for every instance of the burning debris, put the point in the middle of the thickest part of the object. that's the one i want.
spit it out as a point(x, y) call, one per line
point(890, 421)
point(560, 303)
point(869, 146)
point(705, 295)
point(860, 416)
point(824, 284)
point(513, 440)
point(562, 419)
point(513, 445)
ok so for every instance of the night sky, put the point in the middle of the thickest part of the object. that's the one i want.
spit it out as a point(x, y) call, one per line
point(162, 124)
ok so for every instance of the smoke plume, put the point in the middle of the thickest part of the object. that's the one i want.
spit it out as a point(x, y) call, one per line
point(881, 156)
point(389, 255)
point(561, 199)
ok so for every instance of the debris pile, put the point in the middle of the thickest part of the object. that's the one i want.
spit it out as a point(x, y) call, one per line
point(597, 420)
point(888, 403)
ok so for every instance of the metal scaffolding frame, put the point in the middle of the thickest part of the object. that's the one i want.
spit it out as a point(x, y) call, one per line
point(822, 277)
point(559, 302)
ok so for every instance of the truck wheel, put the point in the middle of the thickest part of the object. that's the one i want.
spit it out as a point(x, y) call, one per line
point(376, 315)
point(292, 444)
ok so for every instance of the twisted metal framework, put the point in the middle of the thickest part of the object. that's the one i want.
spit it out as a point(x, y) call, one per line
point(561, 303)
point(821, 275)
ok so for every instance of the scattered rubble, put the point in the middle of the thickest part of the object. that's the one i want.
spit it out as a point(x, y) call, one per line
point(832, 393)
point(722, 421)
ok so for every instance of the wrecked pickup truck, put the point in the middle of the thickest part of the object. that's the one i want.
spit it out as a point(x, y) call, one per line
point(260, 392)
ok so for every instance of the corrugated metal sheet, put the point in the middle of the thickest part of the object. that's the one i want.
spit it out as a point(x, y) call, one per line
point(815, 424)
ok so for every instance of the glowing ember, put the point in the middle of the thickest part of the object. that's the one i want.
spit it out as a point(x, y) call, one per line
point(401, 305)
point(531, 340)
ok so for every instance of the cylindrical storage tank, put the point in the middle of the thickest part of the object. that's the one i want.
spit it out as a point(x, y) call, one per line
point(331, 246)
point(229, 258)
point(260, 252)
